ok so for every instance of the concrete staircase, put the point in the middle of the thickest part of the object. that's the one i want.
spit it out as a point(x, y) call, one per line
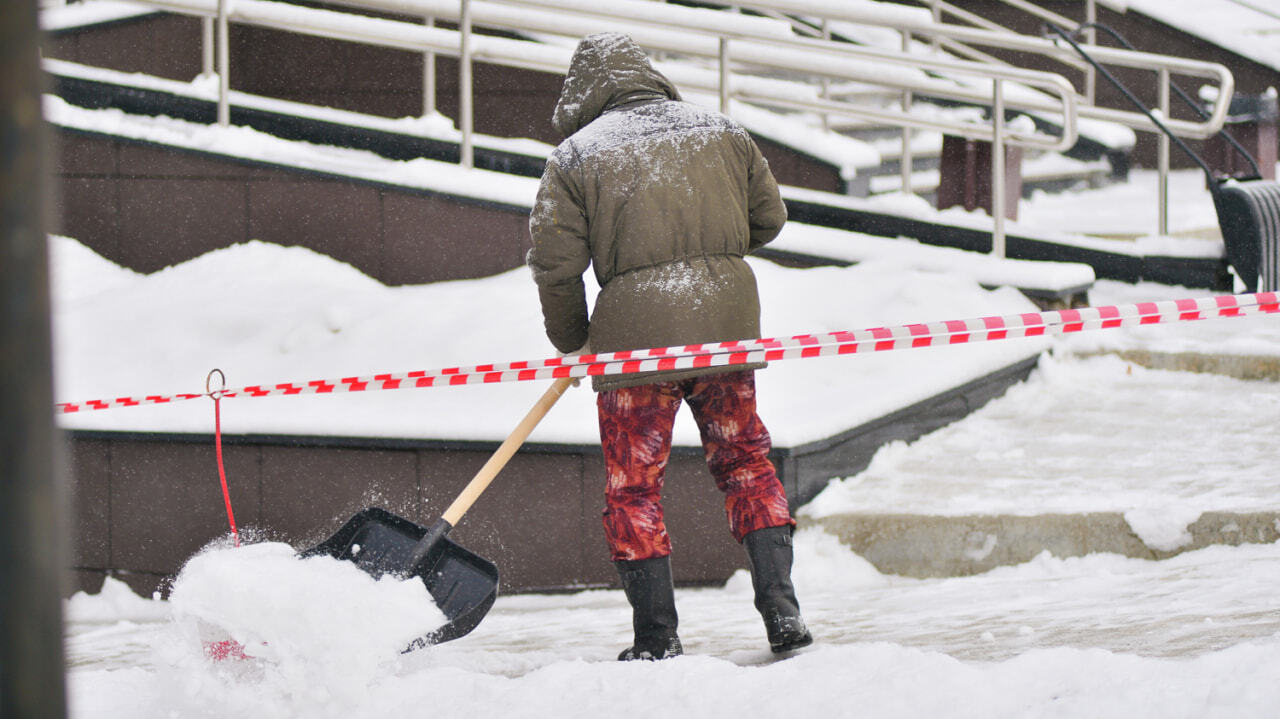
point(952, 546)
point(1097, 455)
point(1092, 165)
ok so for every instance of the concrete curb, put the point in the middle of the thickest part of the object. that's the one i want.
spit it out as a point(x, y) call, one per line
point(941, 546)
point(1246, 367)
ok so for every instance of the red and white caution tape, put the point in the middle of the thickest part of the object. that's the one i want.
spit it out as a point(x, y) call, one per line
point(743, 352)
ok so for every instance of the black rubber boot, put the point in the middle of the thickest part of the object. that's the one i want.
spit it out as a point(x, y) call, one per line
point(769, 551)
point(648, 586)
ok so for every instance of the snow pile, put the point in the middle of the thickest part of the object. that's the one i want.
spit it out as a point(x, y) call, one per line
point(263, 313)
point(114, 603)
point(319, 630)
point(1165, 527)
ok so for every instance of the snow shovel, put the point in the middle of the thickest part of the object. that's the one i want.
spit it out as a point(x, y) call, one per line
point(462, 583)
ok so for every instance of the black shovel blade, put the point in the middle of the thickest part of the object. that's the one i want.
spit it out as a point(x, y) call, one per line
point(463, 584)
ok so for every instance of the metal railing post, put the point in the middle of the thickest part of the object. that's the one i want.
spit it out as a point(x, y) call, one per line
point(464, 86)
point(429, 77)
point(206, 46)
point(1163, 158)
point(724, 75)
point(936, 7)
point(997, 170)
point(826, 81)
point(1091, 39)
point(224, 66)
point(908, 160)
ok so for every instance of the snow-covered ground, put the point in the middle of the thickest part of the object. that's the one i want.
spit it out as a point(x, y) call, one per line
point(1098, 636)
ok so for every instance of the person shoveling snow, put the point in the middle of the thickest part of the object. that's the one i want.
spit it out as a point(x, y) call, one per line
point(665, 199)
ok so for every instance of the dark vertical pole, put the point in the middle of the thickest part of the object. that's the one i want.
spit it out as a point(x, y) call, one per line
point(31, 658)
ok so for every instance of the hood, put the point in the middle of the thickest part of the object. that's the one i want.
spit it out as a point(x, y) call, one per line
point(607, 70)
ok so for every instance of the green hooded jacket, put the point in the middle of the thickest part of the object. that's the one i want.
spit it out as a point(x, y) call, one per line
point(663, 199)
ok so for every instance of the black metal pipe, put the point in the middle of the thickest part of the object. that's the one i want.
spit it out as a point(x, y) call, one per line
point(1182, 95)
point(32, 684)
point(1142, 107)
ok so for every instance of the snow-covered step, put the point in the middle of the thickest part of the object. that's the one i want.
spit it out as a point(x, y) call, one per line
point(1044, 172)
point(1085, 456)
point(923, 144)
point(958, 546)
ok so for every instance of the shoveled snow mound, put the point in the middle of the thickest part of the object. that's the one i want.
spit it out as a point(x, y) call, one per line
point(329, 627)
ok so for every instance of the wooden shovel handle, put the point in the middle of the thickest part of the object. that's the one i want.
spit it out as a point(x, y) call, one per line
point(481, 481)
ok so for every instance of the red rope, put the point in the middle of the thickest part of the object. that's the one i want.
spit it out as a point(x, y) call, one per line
point(217, 442)
point(225, 649)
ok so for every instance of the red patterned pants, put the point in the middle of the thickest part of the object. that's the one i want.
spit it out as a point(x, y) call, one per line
point(635, 433)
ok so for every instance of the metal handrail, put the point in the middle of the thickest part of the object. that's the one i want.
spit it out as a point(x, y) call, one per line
point(941, 9)
point(731, 41)
point(702, 34)
point(761, 43)
point(871, 13)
